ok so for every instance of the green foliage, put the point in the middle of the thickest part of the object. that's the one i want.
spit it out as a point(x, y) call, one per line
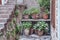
point(13, 33)
point(40, 25)
point(46, 11)
point(26, 12)
point(16, 13)
point(44, 3)
point(17, 5)
point(17, 29)
point(34, 10)
point(14, 20)
point(8, 34)
point(26, 25)
point(11, 24)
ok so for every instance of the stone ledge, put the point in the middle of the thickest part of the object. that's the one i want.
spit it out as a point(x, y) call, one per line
point(34, 37)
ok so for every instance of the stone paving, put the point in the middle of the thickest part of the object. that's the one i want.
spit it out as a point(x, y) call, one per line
point(34, 37)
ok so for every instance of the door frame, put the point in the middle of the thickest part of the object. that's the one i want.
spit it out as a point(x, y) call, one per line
point(0, 1)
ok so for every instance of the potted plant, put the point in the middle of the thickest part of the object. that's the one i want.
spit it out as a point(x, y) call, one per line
point(26, 26)
point(44, 4)
point(35, 13)
point(45, 14)
point(35, 28)
point(40, 27)
point(26, 14)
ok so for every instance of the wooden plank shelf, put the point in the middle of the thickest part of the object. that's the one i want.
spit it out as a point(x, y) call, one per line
point(36, 20)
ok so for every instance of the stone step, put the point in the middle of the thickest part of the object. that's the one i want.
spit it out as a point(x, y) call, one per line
point(2, 10)
point(3, 20)
point(7, 7)
point(11, 0)
point(4, 15)
point(5, 10)
point(11, 4)
point(10, 7)
point(9, 13)
point(1, 25)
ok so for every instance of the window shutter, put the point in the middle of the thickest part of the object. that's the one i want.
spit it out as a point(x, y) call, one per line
point(53, 13)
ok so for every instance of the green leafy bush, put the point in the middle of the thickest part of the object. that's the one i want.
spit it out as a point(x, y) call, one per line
point(44, 3)
point(34, 10)
point(26, 25)
point(26, 12)
point(46, 11)
point(40, 26)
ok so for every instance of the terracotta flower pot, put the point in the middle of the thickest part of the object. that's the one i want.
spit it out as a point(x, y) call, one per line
point(40, 33)
point(40, 16)
point(45, 16)
point(36, 31)
point(42, 9)
point(26, 16)
point(35, 16)
point(31, 31)
point(26, 31)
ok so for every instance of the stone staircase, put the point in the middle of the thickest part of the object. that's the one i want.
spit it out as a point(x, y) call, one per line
point(5, 12)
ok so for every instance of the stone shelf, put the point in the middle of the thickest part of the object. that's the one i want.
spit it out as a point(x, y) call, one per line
point(36, 20)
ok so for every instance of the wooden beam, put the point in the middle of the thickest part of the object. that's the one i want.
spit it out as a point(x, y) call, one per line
point(53, 13)
point(0, 1)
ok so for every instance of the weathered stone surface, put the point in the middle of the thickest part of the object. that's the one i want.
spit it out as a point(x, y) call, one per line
point(35, 37)
point(5, 12)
